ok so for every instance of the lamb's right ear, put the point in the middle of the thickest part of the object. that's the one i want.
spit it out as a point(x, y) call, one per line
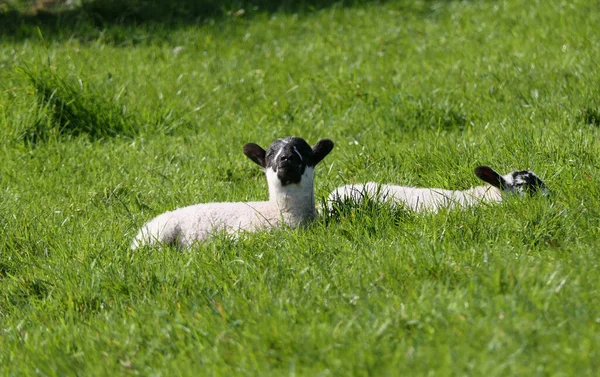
point(321, 149)
point(255, 153)
point(489, 175)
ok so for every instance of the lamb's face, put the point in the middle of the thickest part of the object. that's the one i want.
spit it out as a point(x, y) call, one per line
point(290, 160)
point(525, 182)
point(521, 182)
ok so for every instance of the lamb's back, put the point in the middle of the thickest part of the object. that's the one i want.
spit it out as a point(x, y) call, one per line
point(196, 222)
point(414, 198)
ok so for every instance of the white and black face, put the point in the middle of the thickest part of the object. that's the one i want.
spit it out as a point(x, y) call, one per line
point(289, 158)
point(521, 182)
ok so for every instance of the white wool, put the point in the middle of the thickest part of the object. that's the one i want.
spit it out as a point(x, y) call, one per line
point(432, 199)
point(292, 205)
point(414, 198)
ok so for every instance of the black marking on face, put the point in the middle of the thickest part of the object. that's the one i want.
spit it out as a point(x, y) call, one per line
point(522, 181)
point(526, 181)
point(289, 157)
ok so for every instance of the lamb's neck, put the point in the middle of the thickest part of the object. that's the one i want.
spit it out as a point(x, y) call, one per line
point(296, 202)
point(485, 193)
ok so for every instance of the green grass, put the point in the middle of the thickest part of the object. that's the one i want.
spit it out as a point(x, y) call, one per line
point(108, 121)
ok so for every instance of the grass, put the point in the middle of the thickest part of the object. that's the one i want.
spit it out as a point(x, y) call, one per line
point(119, 119)
point(68, 108)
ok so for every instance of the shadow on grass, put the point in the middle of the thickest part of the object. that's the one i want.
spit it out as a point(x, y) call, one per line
point(56, 21)
point(591, 116)
point(72, 109)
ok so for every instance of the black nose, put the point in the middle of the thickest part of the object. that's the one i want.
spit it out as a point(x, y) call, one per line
point(289, 159)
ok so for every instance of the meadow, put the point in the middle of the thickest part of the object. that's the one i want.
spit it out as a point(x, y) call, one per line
point(111, 114)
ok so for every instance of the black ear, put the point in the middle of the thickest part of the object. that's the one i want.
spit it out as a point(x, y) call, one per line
point(255, 153)
point(489, 175)
point(321, 149)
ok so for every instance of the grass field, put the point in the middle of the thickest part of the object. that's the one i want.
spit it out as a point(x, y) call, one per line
point(107, 119)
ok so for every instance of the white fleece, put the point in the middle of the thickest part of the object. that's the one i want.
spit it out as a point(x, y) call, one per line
point(292, 205)
point(414, 198)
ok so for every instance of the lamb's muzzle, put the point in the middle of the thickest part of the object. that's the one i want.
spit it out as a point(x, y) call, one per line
point(289, 167)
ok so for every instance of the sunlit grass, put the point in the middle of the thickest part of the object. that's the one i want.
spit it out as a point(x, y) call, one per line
point(116, 122)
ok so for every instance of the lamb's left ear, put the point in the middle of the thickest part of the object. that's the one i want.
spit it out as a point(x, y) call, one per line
point(321, 149)
point(489, 175)
point(255, 153)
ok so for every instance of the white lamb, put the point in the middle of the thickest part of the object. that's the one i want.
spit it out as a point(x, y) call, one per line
point(432, 199)
point(289, 166)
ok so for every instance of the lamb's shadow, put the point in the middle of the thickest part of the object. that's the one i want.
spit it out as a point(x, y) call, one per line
point(160, 17)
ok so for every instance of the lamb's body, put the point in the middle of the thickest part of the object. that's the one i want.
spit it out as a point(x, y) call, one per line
point(432, 199)
point(415, 198)
point(290, 205)
point(291, 199)
point(195, 223)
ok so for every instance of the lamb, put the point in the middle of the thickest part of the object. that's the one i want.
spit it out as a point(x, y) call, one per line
point(432, 199)
point(289, 165)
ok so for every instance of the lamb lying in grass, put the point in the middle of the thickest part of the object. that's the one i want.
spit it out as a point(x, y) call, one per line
point(289, 165)
point(432, 199)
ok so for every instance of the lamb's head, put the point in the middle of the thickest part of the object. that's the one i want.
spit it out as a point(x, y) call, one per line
point(289, 161)
point(521, 182)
